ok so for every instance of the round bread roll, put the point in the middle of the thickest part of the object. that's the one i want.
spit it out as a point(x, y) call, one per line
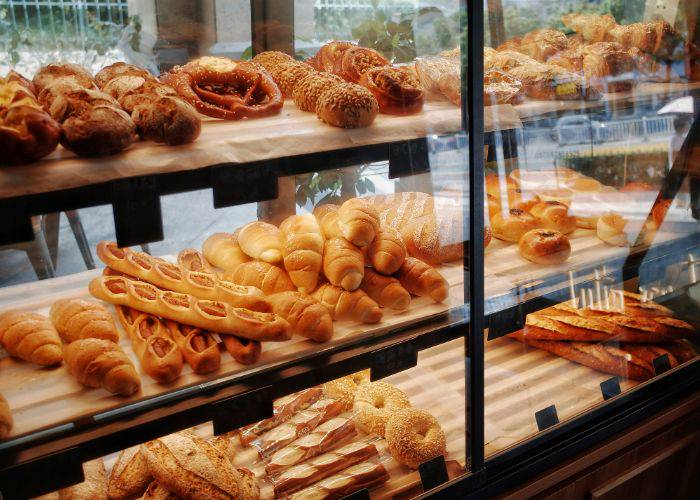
point(49, 73)
point(271, 59)
point(77, 102)
point(167, 119)
point(59, 87)
point(544, 246)
point(309, 89)
point(347, 105)
point(554, 215)
point(118, 69)
point(616, 230)
point(99, 131)
point(287, 75)
point(584, 184)
point(512, 226)
point(414, 436)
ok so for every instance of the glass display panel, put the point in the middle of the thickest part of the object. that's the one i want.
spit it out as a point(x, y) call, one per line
point(592, 204)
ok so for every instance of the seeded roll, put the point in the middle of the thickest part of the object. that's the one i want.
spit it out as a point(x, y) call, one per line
point(347, 105)
point(309, 89)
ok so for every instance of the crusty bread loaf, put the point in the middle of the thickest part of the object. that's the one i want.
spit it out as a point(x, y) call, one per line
point(79, 319)
point(266, 277)
point(387, 252)
point(307, 317)
point(343, 263)
point(101, 363)
point(385, 290)
point(5, 417)
point(358, 221)
point(157, 491)
point(191, 467)
point(420, 279)
point(342, 304)
point(261, 240)
point(222, 250)
point(93, 488)
point(129, 477)
point(327, 217)
point(31, 337)
point(302, 250)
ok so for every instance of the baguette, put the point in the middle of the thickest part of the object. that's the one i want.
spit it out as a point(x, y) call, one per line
point(302, 475)
point(302, 249)
point(422, 280)
point(327, 217)
point(245, 351)
point(6, 417)
point(358, 221)
point(299, 425)
point(343, 264)
point(191, 467)
point(183, 308)
point(193, 260)
point(159, 355)
point(222, 250)
point(385, 291)
point(197, 346)
point(129, 477)
point(266, 277)
point(93, 488)
point(79, 319)
point(387, 252)
point(307, 317)
point(282, 410)
point(355, 305)
point(31, 337)
point(101, 363)
point(173, 277)
point(320, 440)
point(262, 241)
point(364, 475)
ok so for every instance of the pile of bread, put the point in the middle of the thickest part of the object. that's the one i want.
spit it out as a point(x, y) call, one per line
point(321, 442)
point(622, 335)
point(539, 209)
point(92, 116)
point(601, 56)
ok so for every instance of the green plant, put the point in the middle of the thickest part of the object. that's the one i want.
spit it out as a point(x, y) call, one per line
point(334, 185)
point(389, 34)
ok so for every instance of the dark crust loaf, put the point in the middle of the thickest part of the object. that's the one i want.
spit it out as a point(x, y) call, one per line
point(118, 69)
point(348, 106)
point(26, 134)
point(77, 102)
point(99, 131)
point(167, 119)
point(47, 74)
point(132, 90)
point(309, 89)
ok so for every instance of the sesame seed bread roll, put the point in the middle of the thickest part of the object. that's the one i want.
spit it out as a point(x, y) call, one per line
point(309, 89)
point(302, 250)
point(343, 264)
point(223, 251)
point(355, 305)
point(359, 221)
point(261, 240)
point(347, 105)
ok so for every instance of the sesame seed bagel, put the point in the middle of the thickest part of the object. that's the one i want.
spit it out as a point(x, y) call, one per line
point(344, 388)
point(414, 436)
point(374, 405)
point(309, 89)
point(347, 105)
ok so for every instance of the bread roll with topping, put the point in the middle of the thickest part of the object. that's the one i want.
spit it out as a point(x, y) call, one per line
point(545, 246)
point(554, 215)
point(347, 105)
point(512, 226)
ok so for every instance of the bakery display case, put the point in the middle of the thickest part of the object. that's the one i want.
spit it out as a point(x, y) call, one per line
point(339, 249)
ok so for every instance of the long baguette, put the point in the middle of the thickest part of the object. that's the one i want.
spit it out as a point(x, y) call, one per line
point(320, 467)
point(346, 482)
point(320, 440)
point(183, 308)
point(168, 276)
point(282, 410)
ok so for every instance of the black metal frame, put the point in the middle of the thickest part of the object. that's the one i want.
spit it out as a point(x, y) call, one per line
point(21, 462)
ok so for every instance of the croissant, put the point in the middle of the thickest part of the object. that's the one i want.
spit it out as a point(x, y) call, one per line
point(307, 317)
point(327, 217)
point(101, 363)
point(343, 263)
point(355, 305)
point(268, 278)
point(31, 337)
point(302, 250)
point(385, 290)
point(593, 27)
point(387, 252)
point(358, 221)
point(422, 280)
point(80, 319)
point(5, 418)
point(261, 240)
point(222, 250)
